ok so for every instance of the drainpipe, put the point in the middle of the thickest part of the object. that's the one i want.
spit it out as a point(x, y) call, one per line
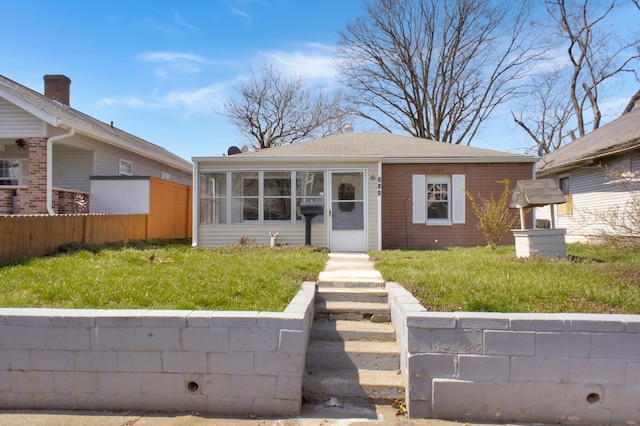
point(50, 142)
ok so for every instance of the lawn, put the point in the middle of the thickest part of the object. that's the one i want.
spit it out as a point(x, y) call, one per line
point(162, 275)
point(594, 279)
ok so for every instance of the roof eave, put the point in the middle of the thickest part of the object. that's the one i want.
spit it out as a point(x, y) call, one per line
point(234, 159)
point(466, 160)
point(31, 109)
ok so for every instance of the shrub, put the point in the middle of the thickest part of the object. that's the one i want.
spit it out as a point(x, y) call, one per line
point(495, 218)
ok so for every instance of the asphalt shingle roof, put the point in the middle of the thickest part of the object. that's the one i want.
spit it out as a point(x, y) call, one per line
point(620, 134)
point(64, 115)
point(386, 145)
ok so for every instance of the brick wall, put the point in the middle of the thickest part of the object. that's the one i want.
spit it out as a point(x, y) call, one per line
point(211, 362)
point(6, 200)
point(523, 368)
point(33, 200)
point(398, 231)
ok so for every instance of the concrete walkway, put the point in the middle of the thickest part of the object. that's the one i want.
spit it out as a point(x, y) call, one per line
point(341, 267)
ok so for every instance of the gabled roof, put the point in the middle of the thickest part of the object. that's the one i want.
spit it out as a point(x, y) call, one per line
point(385, 147)
point(617, 136)
point(59, 115)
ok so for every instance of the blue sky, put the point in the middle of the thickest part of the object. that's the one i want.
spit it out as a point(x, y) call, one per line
point(161, 69)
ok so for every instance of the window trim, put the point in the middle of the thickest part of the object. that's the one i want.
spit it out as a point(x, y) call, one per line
point(23, 173)
point(436, 180)
point(456, 195)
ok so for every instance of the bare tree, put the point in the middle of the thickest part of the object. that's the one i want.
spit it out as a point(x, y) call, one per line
point(272, 108)
point(546, 115)
point(595, 56)
point(435, 69)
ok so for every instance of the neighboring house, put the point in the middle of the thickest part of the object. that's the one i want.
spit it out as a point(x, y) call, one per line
point(49, 152)
point(377, 190)
point(598, 173)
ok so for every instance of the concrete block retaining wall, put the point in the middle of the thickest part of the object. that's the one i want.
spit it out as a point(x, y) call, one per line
point(205, 361)
point(550, 368)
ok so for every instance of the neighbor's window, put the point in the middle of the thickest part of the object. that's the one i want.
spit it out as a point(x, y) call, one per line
point(438, 206)
point(213, 198)
point(277, 196)
point(309, 189)
point(9, 172)
point(565, 185)
point(245, 196)
point(126, 168)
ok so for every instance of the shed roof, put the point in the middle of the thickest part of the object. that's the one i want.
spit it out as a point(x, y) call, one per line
point(619, 135)
point(388, 147)
point(59, 115)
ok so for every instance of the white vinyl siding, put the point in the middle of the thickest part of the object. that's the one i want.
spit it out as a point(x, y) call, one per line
point(454, 203)
point(18, 123)
point(591, 192)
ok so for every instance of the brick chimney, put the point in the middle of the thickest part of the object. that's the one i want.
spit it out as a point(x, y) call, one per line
point(56, 87)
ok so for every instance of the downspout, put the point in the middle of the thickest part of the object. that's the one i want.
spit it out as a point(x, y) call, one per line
point(196, 207)
point(50, 142)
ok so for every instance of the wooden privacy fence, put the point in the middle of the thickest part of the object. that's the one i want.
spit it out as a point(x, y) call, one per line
point(38, 235)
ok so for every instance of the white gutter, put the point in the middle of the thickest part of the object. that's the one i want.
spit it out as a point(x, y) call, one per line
point(50, 142)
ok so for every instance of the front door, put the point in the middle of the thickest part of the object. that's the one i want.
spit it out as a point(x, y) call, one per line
point(347, 212)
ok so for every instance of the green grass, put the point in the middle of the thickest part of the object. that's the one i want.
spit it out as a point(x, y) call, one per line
point(162, 275)
point(593, 279)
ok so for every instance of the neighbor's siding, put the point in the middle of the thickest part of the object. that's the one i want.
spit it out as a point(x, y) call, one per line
point(18, 123)
point(481, 180)
point(72, 167)
point(591, 192)
point(107, 161)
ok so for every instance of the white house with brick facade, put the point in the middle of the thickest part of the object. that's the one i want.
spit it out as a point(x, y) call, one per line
point(49, 152)
point(376, 191)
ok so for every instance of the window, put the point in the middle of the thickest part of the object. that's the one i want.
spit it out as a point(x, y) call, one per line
point(565, 185)
point(245, 197)
point(126, 168)
point(277, 196)
point(438, 200)
point(257, 197)
point(213, 198)
point(309, 189)
point(9, 172)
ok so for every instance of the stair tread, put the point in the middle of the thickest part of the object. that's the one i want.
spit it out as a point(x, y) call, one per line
point(344, 325)
point(354, 306)
point(353, 346)
point(373, 377)
point(354, 290)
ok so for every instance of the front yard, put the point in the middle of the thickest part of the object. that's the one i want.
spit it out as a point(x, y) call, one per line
point(594, 279)
point(173, 275)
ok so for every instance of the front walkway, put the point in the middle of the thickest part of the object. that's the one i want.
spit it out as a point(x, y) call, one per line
point(349, 268)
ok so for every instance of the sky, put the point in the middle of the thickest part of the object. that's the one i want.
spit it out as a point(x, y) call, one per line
point(162, 70)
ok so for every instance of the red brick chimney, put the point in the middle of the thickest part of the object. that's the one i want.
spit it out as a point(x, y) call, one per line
point(56, 87)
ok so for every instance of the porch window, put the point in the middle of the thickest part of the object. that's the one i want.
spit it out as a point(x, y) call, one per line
point(213, 198)
point(309, 189)
point(9, 172)
point(277, 196)
point(245, 197)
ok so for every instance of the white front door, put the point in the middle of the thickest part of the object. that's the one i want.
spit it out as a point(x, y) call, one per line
point(347, 216)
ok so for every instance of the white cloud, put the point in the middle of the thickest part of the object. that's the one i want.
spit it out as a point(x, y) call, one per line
point(201, 101)
point(174, 62)
point(314, 62)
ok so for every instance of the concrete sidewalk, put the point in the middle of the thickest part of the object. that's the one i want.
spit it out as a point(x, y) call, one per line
point(341, 267)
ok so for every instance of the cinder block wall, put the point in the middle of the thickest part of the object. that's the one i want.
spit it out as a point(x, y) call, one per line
point(206, 361)
point(532, 368)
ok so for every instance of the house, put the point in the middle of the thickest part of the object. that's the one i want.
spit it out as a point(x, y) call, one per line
point(376, 191)
point(598, 175)
point(49, 153)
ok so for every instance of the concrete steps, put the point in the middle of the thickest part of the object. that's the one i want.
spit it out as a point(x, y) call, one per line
point(352, 353)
